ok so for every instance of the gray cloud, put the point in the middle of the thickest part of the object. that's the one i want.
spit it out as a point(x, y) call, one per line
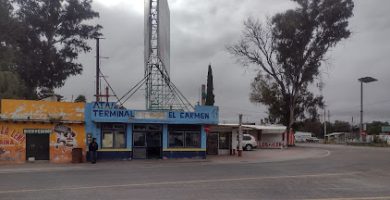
point(200, 30)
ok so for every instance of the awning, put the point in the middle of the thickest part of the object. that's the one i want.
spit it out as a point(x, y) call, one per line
point(265, 129)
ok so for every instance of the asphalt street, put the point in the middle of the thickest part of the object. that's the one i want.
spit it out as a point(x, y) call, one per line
point(344, 173)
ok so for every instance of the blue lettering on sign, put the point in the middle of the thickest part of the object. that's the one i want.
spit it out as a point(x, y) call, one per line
point(171, 115)
point(105, 105)
point(113, 113)
point(110, 110)
point(191, 115)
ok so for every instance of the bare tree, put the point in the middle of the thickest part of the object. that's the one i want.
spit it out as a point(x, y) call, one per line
point(289, 49)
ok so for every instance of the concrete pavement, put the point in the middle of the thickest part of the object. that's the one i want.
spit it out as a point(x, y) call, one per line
point(345, 173)
point(273, 155)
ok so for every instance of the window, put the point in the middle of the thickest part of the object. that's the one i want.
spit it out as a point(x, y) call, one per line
point(187, 139)
point(139, 128)
point(113, 136)
point(193, 139)
point(139, 139)
point(247, 138)
point(108, 140)
point(184, 136)
point(176, 139)
point(120, 140)
point(224, 141)
point(147, 127)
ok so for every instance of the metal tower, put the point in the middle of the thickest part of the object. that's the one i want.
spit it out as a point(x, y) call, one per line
point(161, 93)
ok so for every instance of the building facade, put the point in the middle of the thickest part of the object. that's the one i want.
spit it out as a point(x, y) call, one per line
point(40, 130)
point(124, 134)
point(223, 138)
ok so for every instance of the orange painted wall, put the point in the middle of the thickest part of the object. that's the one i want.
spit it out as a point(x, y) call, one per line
point(19, 115)
point(42, 110)
point(13, 141)
point(12, 144)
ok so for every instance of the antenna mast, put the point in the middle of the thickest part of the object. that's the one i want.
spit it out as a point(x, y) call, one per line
point(161, 93)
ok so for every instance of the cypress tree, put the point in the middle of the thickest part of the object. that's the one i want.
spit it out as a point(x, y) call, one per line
point(210, 88)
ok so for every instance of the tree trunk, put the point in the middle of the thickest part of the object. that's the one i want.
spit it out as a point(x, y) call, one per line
point(290, 123)
point(291, 119)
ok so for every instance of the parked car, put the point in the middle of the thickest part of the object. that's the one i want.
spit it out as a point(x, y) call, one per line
point(249, 142)
point(313, 140)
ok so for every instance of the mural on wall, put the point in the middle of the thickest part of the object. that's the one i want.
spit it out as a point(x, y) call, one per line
point(64, 138)
point(12, 144)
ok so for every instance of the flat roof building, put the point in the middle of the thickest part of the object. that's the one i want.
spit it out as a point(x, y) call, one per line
point(143, 134)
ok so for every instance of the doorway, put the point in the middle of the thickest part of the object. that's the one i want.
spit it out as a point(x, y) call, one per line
point(212, 144)
point(37, 146)
point(147, 141)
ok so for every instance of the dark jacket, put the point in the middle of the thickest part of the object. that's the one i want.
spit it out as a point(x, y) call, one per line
point(93, 146)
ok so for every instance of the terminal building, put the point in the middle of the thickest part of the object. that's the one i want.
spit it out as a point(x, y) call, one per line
point(143, 134)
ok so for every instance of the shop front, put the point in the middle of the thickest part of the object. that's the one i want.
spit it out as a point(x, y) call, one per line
point(124, 134)
point(223, 138)
point(40, 130)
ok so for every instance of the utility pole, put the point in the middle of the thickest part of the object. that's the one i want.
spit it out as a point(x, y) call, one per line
point(352, 135)
point(324, 124)
point(240, 135)
point(361, 109)
point(107, 95)
point(363, 80)
point(97, 70)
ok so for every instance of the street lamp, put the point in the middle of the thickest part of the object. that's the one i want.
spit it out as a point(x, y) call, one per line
point(363, 80)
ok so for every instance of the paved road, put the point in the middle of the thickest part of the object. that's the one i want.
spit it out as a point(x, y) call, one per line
point(346, 173)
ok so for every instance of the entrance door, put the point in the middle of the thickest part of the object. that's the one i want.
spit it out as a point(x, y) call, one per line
point(212, 144)
point(153, 145)
point(139, 145)
point(37, 145)
point(147, 142)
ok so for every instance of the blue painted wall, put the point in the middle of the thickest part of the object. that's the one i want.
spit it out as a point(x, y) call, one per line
point(165, 136)
point(203, 138)
point(129, 136)
point(98, 113)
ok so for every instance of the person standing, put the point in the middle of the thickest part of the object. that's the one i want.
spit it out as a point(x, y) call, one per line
point(93, 147)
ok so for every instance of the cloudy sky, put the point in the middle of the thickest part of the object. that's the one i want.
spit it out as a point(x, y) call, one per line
point(200, 31)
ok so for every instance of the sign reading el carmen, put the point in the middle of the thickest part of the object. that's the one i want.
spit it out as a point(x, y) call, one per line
point(188, 115)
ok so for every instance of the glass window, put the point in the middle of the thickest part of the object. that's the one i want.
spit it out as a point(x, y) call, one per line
point(108, 140)
point(139, 139)
point(176, 139)
point(139, 127)
point(223, 140)
point(113, 135)
point(154, 127)
point(192, 139)
point(247, 138)
point(120, 140)
point(119, 126)
point(107, 126)
point(187, 139)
